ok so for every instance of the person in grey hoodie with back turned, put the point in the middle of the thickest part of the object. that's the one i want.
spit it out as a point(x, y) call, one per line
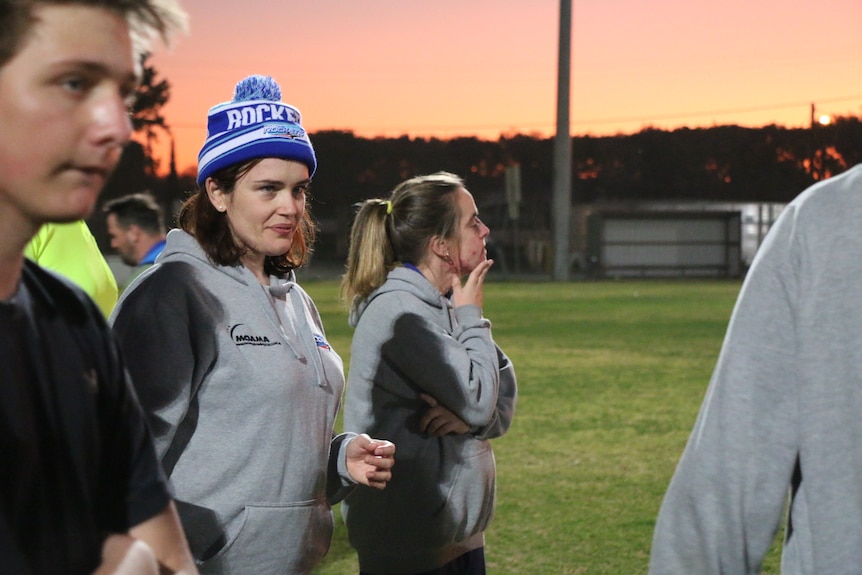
point(425, 372)
point(781, 424)
point(230, 359)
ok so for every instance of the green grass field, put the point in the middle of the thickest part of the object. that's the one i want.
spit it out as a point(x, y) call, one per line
point(611, 375)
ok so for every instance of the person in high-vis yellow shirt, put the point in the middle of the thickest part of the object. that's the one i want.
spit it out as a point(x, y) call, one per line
point(71, 250)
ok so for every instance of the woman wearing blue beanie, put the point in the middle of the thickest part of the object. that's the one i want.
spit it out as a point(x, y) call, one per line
point(230, 359)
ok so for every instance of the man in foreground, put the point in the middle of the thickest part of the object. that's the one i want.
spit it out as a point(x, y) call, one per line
point(79, 479)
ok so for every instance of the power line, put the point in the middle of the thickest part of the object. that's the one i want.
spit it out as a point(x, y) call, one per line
point(725, 112)
point(514, 126)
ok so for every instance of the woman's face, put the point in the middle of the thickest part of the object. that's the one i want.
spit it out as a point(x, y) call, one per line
point(472, 233)
point(265, 209)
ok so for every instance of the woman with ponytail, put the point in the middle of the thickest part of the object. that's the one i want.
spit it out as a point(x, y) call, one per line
point(425, 372)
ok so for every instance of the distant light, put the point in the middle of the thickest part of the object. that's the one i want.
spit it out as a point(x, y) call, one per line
point(825, 120)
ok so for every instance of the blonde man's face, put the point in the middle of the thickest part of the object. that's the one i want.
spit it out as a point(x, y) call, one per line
point(63, 112)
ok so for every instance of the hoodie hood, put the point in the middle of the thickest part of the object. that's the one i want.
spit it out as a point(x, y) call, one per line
point(402, 279)
point(182, 246)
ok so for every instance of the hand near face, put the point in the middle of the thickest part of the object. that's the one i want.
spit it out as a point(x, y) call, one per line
point(439, 421)
point(471, 291)
point(370, 461)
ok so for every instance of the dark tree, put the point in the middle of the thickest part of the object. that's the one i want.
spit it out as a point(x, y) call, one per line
point(151, 96)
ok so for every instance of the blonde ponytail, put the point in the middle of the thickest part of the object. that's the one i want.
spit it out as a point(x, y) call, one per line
point(371, 255)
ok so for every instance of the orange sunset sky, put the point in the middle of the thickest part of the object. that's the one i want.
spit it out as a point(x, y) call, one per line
point(480, 68)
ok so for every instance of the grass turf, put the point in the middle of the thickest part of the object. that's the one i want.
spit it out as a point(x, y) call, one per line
point(611, 375)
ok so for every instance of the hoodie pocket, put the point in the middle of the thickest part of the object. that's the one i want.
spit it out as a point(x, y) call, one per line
point(275, 539)
point(470, 497)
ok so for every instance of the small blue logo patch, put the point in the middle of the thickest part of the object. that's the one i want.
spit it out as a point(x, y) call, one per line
point(318, 339)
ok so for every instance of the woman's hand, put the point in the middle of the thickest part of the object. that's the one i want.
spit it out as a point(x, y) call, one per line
point(439, 421)
point(370, 461)
point(471, 291)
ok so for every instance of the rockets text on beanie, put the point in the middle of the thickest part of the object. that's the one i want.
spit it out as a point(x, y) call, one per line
point(255, 124)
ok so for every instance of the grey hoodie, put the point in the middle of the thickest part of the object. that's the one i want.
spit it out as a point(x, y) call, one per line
point(410, 340)
point(783, 411)
point(242, 410)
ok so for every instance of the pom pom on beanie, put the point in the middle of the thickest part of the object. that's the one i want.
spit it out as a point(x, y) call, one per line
point(255, 124)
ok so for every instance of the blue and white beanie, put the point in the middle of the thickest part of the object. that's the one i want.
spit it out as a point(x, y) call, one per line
point(255, 124)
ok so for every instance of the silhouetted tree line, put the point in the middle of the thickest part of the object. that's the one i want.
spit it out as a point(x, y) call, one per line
point(723, 163)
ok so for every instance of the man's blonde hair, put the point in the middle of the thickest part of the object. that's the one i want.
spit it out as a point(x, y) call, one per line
point(148, 20)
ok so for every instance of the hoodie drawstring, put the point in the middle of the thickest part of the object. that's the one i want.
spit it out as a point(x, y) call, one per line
point(279, 289)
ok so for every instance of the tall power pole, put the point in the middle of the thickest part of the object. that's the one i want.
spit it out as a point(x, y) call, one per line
point(561, 203)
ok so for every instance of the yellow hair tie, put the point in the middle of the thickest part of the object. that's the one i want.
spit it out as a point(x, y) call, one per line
point(388, 207)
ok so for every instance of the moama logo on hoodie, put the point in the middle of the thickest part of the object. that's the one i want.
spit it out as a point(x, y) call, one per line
point(240, 335)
